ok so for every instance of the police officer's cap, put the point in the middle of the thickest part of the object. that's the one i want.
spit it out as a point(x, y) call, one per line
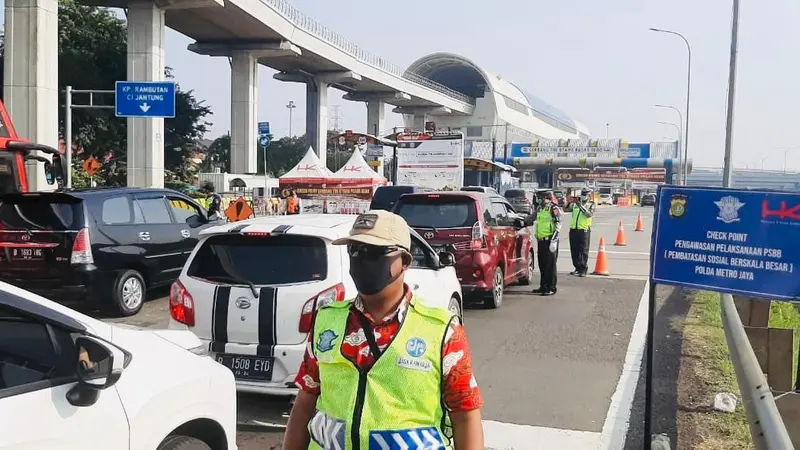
point(544, 192)
point(586, 191)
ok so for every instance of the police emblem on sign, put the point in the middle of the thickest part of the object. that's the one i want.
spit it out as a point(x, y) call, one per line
point(729, 207)
point(677, 205)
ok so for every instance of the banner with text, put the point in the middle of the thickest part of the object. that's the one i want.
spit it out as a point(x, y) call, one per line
point(726, 240)
point(646, 175)
point(434, 162)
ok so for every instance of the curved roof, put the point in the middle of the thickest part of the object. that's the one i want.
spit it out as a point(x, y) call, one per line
point(464, 75)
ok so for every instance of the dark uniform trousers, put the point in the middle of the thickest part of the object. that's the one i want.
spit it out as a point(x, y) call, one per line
point(579, 248)
point(547, 266)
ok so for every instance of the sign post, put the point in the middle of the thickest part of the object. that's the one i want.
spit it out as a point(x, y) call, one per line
point(739, 242)
point(147, 99)
point(264, 141)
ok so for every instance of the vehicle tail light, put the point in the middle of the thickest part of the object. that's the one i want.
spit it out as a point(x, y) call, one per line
point(478, 237)
point(257, 234)
point(82, 248)
point(326, 297)
point(181, 304)
point(433, 195)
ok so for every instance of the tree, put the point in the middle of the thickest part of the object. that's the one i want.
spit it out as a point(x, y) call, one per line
point(218, 155)
point(92, 44)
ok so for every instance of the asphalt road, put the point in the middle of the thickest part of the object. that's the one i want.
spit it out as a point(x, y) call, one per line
point(550, 365)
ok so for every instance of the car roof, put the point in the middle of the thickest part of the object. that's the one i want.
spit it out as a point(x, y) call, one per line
point(328, 226)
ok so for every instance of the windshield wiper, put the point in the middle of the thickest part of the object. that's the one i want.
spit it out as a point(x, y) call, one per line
point(234, 280)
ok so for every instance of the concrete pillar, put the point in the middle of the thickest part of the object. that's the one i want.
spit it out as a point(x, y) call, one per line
point(317, 117)
point(145, 63)
point(419, 122)
point(30, 79)
point(375, 126)
point(244, 112)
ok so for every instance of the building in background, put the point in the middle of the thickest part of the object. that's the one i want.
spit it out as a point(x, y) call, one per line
point(747, 179)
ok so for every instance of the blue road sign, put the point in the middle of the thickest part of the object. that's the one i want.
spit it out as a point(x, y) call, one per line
point(145, 99)
point(264, 141)
point(263, 127)
point(727, 240)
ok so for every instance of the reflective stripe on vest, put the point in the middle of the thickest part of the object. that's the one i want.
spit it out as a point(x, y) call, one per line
point(545, 226)
point(579, 221)
point(375, 410)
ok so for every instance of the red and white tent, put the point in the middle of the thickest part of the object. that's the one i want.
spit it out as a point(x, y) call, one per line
point(357, 168)
point(310, 170)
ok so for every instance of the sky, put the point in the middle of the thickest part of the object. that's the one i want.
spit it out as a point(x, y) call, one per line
point(595, 60)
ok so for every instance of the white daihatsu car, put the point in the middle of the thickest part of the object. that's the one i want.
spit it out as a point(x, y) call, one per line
point(70, 382)
point(250, 289)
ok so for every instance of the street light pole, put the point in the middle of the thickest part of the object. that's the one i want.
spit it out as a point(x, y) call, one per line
point(728, 168)
point(681, 157)
point(688, 92)
point(607, 125)
point(680, 138)
point(290, 106)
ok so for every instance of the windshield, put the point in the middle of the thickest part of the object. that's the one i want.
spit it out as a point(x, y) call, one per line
point(261, 260)
point(387, 196)
point(437, 212)
point(41, 212)
point(512, 193)
point(8, 174)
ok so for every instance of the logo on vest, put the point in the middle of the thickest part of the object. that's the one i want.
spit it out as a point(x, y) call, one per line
point(416, 347)
point(325, 340)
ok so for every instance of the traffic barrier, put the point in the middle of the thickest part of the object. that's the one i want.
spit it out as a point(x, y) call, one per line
point(620, 235)
point(601, 266)
point(639, 223)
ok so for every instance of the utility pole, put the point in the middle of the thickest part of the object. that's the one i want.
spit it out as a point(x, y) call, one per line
point(727, 170)
point(290, 106)
point(337, 117)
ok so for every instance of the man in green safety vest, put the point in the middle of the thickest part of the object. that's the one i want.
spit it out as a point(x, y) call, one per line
point(382, 370)
point(580, 231)
point(548, 227)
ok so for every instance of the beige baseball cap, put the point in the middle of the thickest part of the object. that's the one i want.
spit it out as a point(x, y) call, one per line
point(380, 228)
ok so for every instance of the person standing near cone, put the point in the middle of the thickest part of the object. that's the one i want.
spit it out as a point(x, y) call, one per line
point(548, 228)
point(580, 230)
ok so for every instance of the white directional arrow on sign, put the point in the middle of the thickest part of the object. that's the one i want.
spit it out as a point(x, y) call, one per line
point(144, 107)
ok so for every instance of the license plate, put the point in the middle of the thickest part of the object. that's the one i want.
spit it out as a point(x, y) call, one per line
point(27, 254)
point(439, 248)
point(247, 367)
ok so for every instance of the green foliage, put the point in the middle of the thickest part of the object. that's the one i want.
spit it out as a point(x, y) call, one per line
point(92, 44)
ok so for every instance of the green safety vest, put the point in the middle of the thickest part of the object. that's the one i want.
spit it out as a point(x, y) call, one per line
point(545, 224)
point(398, 399)
point(579, 220)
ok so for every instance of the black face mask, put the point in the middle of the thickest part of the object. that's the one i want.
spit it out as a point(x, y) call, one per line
point(372, 275)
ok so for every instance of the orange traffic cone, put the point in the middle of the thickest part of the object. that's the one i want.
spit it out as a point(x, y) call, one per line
point(639, 223)
point(601, 266)
point(620, 235)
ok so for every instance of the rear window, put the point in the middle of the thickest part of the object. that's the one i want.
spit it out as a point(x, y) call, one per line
point(387, 196)
point(277, 259)
point(437, 212)
point(511, 193)
point(41, 212)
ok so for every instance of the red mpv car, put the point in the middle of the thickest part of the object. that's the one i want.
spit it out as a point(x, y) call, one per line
point(490, 241)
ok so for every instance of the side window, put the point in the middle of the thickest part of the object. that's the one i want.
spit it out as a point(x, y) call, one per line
point(488, 216)
point(420, 257)
point(116, 210)
point(154, 210)
point(31, 352)
point(500, 212)
point(182, 210)
point(509, 209)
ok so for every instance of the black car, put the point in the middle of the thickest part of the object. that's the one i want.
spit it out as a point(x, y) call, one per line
point(106, 246)
point(648, 200)
point(521, 199)
point(386, 196)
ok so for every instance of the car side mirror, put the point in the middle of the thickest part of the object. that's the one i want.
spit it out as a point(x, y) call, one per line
point(59, 169)
point(447, 259)
point(99, 366)
point(49, 176)
point(518, 222)
point(529, 219)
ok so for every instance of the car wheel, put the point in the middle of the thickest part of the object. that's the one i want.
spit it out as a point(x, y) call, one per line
point(129, 293)
point(528, 276)
point(454, 306)
point(495, 298)
point(183, 443)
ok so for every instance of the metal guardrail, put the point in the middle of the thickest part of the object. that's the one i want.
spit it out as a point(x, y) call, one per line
point(766, 425)
point(311, 26)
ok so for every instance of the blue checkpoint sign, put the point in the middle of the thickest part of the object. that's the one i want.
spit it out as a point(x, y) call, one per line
point(264, 141)
point(263, 127)
point(742, 242)
point(144, 99)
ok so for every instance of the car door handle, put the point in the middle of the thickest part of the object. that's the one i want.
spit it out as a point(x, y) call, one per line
point(186, 233)
point(144, 235)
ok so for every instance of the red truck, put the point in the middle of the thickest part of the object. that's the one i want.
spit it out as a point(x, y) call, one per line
point(14, 151)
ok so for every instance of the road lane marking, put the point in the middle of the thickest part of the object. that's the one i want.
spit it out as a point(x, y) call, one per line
point(509, 436)
point(615, 428)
